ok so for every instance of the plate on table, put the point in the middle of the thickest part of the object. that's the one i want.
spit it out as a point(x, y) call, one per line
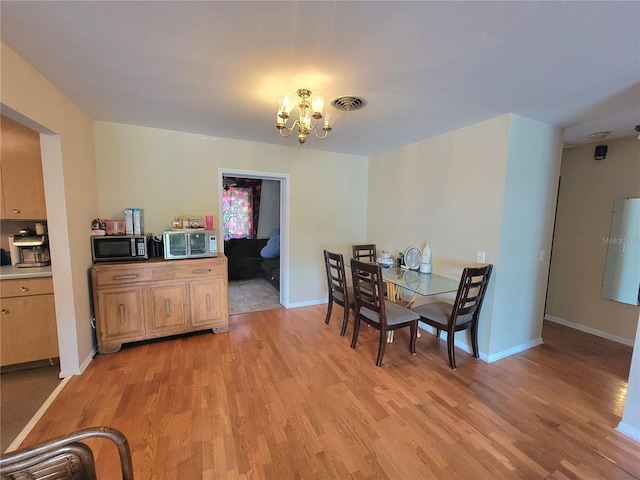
point(413, 257)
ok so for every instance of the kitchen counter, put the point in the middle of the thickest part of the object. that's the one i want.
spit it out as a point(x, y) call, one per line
point(9, 272)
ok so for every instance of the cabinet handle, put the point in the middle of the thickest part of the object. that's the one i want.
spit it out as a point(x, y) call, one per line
point(201, 270)
point(15, 210)
point(24, 289)
point(208, 302)
point(167, 307)
point(122, 314)
point(5, 311)
point(125, 277)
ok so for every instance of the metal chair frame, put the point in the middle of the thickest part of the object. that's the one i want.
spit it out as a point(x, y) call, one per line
point(64, 457)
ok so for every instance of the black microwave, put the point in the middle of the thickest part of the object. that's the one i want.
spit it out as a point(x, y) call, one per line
point(118, 248)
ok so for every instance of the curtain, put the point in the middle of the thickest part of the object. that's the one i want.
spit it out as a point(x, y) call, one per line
point(250, 205)
point(237, 213)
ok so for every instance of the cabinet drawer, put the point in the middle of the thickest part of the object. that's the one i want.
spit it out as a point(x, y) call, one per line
point(202, 270)
point(26, 286)
point(121, 275)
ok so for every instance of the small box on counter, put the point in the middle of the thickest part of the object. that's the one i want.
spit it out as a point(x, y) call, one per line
point(188, 222)
point(115, 227)
point(134, 223)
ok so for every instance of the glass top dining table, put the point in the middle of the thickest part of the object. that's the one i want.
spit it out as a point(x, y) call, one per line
point(420, 283)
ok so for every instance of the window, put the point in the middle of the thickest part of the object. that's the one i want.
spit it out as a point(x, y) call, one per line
point(237, 213)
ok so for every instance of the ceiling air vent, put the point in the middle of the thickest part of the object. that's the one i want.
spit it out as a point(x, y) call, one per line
point(348, 103)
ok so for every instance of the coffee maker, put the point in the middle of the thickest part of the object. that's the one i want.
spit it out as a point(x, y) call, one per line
point(32, 250)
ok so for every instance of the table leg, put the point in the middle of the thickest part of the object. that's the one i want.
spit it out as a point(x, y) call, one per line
point(394, 294)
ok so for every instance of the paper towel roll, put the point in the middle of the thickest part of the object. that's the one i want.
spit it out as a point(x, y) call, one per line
point(13, 251)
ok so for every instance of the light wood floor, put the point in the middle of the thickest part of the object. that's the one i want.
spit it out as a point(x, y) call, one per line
point(283, 396)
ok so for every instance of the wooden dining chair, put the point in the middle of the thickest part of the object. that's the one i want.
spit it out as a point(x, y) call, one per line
point(372, 308)
point(339, 291)
point(364, 252)
point(463, 314)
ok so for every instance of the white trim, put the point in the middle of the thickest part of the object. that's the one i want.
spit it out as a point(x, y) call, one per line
point(511, 351)
point(592, 331)
point(629, 431)
point(307, 304)
point(38, 415)
point(483, 356)
point(83, 365)
point(285, 198)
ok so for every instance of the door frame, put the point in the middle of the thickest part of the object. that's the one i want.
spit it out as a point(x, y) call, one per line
point(283, 179)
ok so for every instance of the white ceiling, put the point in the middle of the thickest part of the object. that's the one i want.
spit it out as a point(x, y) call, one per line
point(219, 68)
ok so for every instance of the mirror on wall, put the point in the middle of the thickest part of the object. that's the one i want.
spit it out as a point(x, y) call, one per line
point(622, 268)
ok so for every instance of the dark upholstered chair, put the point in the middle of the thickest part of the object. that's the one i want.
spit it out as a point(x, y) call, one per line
point(339, 291)
point(372, 308)
point(463, 314)
point(64, 457)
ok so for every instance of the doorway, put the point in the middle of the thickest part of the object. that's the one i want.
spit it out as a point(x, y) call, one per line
point(269, 289)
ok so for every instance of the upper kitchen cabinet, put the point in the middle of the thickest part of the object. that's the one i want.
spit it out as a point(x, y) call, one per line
point(21, 180)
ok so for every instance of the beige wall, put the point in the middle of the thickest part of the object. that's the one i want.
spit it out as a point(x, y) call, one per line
point(587, 191)
point(526, 227)
point(170, 173)
point(489, 187)
point(70, 189)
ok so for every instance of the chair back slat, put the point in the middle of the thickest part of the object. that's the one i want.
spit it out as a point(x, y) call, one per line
point(339, 290)
point(367, 287)
point(336, 277)
point(365, 252)
point(473, 285)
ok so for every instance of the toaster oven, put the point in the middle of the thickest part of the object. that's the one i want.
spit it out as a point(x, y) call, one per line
point(190, 244)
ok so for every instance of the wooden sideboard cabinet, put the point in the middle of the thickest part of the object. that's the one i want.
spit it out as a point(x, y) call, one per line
point(28, 321)
point(157, 298)
point(22, 186)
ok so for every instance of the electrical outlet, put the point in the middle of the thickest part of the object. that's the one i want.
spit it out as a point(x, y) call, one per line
point(480, 257)
point(542, 253)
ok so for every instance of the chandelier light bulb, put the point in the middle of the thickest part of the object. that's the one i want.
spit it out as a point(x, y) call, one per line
point(318, 106)
point(310, 114)
point(287, 106)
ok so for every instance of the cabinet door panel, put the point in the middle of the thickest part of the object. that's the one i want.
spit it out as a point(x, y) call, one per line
point(166, 309)
point(209, 304)
point(121, 314)
point(28, 329)
point(23, 182)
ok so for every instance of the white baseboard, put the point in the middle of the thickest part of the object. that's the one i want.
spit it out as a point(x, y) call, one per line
point(592, 331)
point(83, 366)
point(511, 351)
point(629, 431)
point(306, 304)
point(483, 356)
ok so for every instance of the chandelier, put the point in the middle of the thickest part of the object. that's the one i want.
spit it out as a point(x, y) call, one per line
point(310, 114)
